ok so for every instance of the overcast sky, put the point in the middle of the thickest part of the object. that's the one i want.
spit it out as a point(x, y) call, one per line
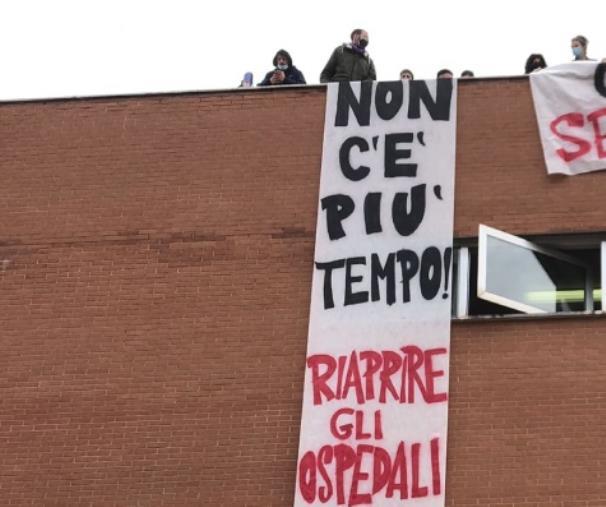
point(59, 48)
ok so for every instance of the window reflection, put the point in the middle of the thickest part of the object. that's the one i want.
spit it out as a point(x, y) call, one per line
point(533, 278)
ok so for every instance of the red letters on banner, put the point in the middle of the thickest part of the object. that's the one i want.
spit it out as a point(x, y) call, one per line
point(396, 376)
point(353, 471)
point(371, 469)
point(584, 146)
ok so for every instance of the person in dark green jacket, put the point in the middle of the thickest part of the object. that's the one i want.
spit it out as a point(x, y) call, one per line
point(350, 62)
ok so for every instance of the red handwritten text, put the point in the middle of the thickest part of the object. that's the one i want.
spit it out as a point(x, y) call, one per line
point(369, 470)
point(583, 146)
point(387, 376)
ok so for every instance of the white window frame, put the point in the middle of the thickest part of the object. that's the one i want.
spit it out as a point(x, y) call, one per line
point(482, 292)
point(603, 273)
point(463, 282)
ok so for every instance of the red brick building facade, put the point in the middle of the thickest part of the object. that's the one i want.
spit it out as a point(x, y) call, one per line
point(155, 268)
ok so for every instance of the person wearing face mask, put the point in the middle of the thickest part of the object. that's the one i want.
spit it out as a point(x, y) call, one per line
point(284, 73)
point(579, 48)
point(351, 61)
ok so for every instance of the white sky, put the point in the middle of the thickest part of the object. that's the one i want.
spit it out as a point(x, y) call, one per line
point(59, 48)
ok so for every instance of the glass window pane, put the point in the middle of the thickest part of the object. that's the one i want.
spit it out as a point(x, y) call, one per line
point(533, 278)
point(528, 278)
point(461, 282)
point(479, 305)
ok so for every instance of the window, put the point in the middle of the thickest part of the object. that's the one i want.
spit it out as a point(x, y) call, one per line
point(504, 274)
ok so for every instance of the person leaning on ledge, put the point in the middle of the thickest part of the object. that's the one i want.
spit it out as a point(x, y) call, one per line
point(350, 62)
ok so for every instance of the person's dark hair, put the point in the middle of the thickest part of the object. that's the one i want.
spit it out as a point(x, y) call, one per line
point(532, 65)
point(582, 40)
point(467, 73)
point(285, 54)
point(407, 71)
point(357, 31)
point(441, 72)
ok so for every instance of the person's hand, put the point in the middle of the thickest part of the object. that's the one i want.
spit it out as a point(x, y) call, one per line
point(277, 77)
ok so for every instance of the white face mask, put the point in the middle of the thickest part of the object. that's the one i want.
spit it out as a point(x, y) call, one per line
point(282, 66)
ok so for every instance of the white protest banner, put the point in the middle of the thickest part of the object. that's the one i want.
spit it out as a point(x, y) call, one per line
point(375, 408)
point(570, 104)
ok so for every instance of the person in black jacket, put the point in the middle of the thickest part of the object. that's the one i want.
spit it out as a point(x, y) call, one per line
point(285, 73)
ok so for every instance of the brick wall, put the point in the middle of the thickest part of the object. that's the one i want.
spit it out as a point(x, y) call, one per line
point(155, 268)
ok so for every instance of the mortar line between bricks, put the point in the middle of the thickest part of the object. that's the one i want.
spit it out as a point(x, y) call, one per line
point(195, 237)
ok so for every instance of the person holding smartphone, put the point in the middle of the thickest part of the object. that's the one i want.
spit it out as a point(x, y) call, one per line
point(284, 73)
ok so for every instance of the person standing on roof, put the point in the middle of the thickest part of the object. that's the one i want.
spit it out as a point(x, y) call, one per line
point(444, 74)
point(350, 62)
point(284, 73)
point(406, 75)
point(534, 63)
point(578, 45)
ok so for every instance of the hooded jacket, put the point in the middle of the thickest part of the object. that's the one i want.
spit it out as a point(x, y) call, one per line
point(292, 74)
point(345, 64)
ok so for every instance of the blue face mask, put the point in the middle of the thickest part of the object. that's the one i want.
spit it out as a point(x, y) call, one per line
point(577, 51)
